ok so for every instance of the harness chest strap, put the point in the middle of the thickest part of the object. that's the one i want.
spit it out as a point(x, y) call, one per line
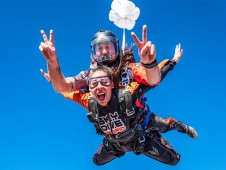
point(128, 102)
point(126, 97)
point(93, 115)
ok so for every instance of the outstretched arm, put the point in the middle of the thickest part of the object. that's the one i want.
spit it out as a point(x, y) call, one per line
point(167, 65)
point(59, 82)
point(147, 55)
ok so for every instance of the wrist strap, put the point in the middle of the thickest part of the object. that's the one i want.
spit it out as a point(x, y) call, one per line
point(151, 65)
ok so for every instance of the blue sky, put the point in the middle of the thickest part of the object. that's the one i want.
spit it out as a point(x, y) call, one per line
point(40, 130)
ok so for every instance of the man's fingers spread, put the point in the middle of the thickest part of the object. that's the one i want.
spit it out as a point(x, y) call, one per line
point(144, 34)
point(152, 49)
point(51, 38)
point(44, 36)
point(135, 38)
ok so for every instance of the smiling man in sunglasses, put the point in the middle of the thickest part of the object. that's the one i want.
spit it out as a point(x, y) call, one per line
point(123, 132)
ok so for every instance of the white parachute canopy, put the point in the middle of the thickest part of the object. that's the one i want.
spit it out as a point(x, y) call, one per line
point(124, 15)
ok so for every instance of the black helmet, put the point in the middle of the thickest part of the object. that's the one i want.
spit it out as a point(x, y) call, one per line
point(107, 37)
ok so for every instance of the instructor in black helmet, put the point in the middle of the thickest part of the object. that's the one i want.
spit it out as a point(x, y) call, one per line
point(105, 48)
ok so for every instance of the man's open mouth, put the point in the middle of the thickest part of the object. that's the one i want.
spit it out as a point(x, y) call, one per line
point(101, 97)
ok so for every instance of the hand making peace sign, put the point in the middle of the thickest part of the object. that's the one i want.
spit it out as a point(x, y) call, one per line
point(47, 47)
point(146, 49)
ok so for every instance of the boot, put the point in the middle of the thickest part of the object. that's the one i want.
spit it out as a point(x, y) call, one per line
point(190, 131)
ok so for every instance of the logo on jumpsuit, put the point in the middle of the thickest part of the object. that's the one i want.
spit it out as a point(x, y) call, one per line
point(115, 124)
point(154, 151)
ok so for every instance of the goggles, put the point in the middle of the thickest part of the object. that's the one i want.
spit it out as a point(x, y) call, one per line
point(103, 80)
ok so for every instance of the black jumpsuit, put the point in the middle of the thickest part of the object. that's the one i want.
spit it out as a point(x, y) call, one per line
point(121, 134)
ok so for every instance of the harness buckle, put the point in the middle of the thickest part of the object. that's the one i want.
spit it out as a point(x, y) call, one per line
point(92, 115)
point(90, 97)
point(127, 91)
point(130, 112)
point(141, 139)
point(141, 132)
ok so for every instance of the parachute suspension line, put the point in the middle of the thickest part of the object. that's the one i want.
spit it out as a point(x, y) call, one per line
point(123, 41)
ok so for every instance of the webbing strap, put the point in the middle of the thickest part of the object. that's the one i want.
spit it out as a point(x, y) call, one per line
point(139, 148)
point(92, 104)
point(93, 115)
point(128, 102)
point(147, 120)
